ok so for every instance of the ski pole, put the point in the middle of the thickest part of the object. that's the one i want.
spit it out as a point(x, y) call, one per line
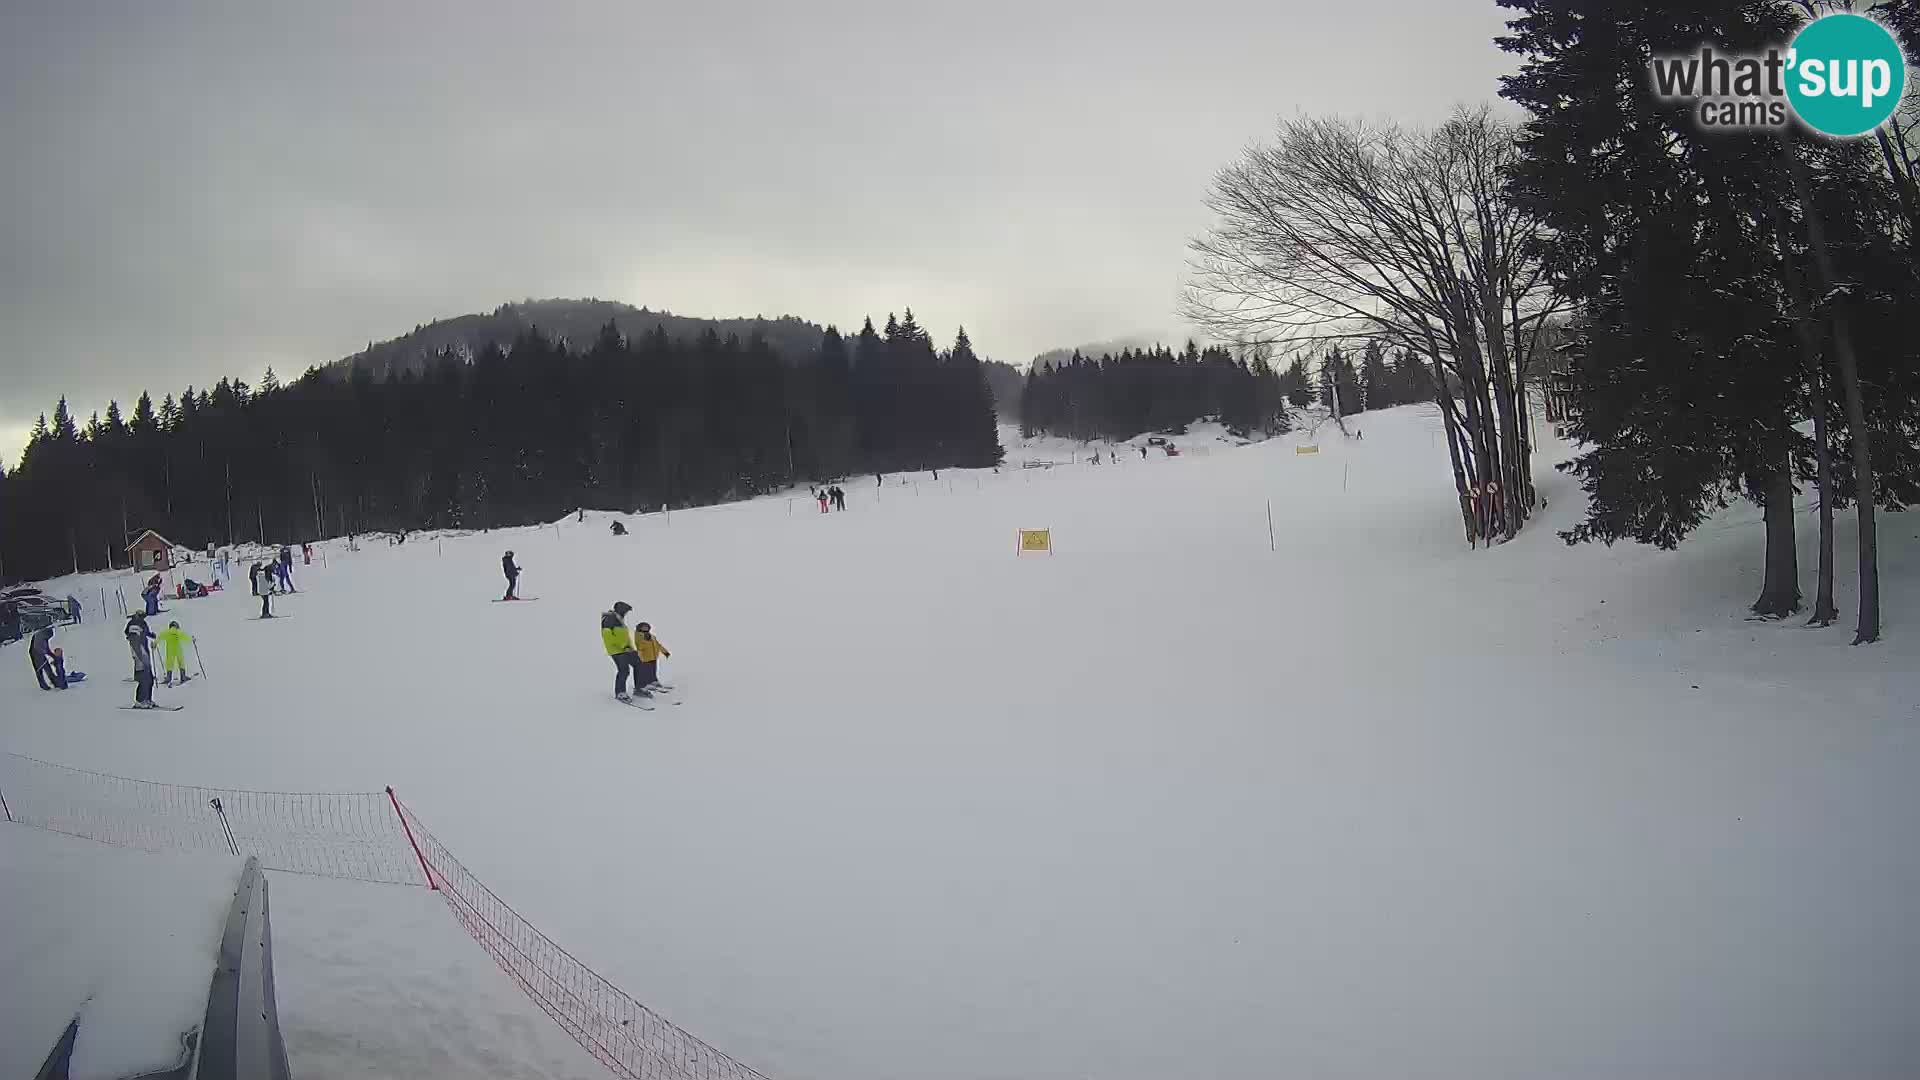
point(197, 659)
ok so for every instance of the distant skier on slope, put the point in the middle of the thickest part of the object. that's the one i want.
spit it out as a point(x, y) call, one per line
point(839, 497)
point(650, 650)
point(508, 568)
point(151, 594)
point(140, 644)
point(285, 570)
point(173, 643)
point(619, 642)
point(822, 496)
point(618, 529)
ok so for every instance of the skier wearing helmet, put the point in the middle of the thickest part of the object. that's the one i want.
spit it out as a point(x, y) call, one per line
point(513, 575)
point(619, 642)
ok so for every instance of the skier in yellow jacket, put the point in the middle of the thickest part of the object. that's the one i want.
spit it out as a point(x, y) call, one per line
point(619, 642)
point(650, 650)
point(173, 643)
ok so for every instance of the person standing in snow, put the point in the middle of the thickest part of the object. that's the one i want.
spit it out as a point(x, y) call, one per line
point(822, 496)
point(40, 652)
point(619, 642)
point(151, 594)
point(839, 497)
point(508, 568)
point(286, 569)
point(649, 650)
point(173, 657)
point(260, 579)
point(140, 644)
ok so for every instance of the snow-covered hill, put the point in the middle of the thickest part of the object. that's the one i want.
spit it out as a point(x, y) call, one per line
point(1168, 802)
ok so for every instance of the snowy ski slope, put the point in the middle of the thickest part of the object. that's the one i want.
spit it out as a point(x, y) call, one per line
point(1165, 803)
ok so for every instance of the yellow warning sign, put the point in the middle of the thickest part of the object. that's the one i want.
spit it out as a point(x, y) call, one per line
point(1306, 449)
point(1036, 540)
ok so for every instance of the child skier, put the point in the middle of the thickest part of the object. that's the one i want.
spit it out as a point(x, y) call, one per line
point(173, 643)
point(151, 594)
point(619, 642)
point(649, 650)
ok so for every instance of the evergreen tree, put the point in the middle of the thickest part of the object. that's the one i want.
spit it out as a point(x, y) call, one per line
point(1297, 384)
point(1377, 390)
point(968, 403)
point(63, 428)
point(1662, 235)
point(143, 423)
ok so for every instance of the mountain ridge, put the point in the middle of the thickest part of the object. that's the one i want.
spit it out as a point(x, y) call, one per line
point(575, 321)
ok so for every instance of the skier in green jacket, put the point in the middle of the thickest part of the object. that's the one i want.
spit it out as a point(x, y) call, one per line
point(173, 643)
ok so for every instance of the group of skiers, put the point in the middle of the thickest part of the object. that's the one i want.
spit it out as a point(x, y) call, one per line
point(274, 576)
point(831, 496)
point(49, 660)
point(141, 643)
point(634, 652)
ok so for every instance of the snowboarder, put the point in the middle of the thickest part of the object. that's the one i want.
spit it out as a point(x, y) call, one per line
point(619, 642)
point(152, 595)
point(618, 529)
point(140, 644)
point(173, 643)
point(508, 568)
point(649, 650)
point(40, 652)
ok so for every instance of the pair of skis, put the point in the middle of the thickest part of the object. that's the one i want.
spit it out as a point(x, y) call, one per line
point(656, 692)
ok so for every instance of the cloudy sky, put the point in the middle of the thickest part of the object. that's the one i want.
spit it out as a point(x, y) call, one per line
point(195, 190)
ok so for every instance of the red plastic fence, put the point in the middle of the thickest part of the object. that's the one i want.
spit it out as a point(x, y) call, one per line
point(353, 835)
point(365, 836)
point(626, 1036)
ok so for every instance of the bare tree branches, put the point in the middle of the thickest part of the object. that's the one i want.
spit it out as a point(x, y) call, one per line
point(1340, 230)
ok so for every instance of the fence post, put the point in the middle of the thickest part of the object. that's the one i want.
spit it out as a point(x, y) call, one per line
point(224, 827)
point(1271, 546)
point(431, 884)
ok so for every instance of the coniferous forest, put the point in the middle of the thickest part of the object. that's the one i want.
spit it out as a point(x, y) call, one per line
point(514, 432)
point(1118, 396)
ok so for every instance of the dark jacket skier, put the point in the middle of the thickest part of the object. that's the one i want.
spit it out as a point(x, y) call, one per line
point(40, 653)
point(513, 575)
point(140, 644)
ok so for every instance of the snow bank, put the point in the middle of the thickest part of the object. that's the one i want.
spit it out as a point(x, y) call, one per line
point(127, 941)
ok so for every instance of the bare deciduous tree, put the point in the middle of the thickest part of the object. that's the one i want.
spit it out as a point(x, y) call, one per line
point(1338, 230)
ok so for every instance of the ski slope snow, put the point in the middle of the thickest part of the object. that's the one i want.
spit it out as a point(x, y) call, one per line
point(1168, 802)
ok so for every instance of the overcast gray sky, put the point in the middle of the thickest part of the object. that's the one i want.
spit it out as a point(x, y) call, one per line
point(192, 190)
